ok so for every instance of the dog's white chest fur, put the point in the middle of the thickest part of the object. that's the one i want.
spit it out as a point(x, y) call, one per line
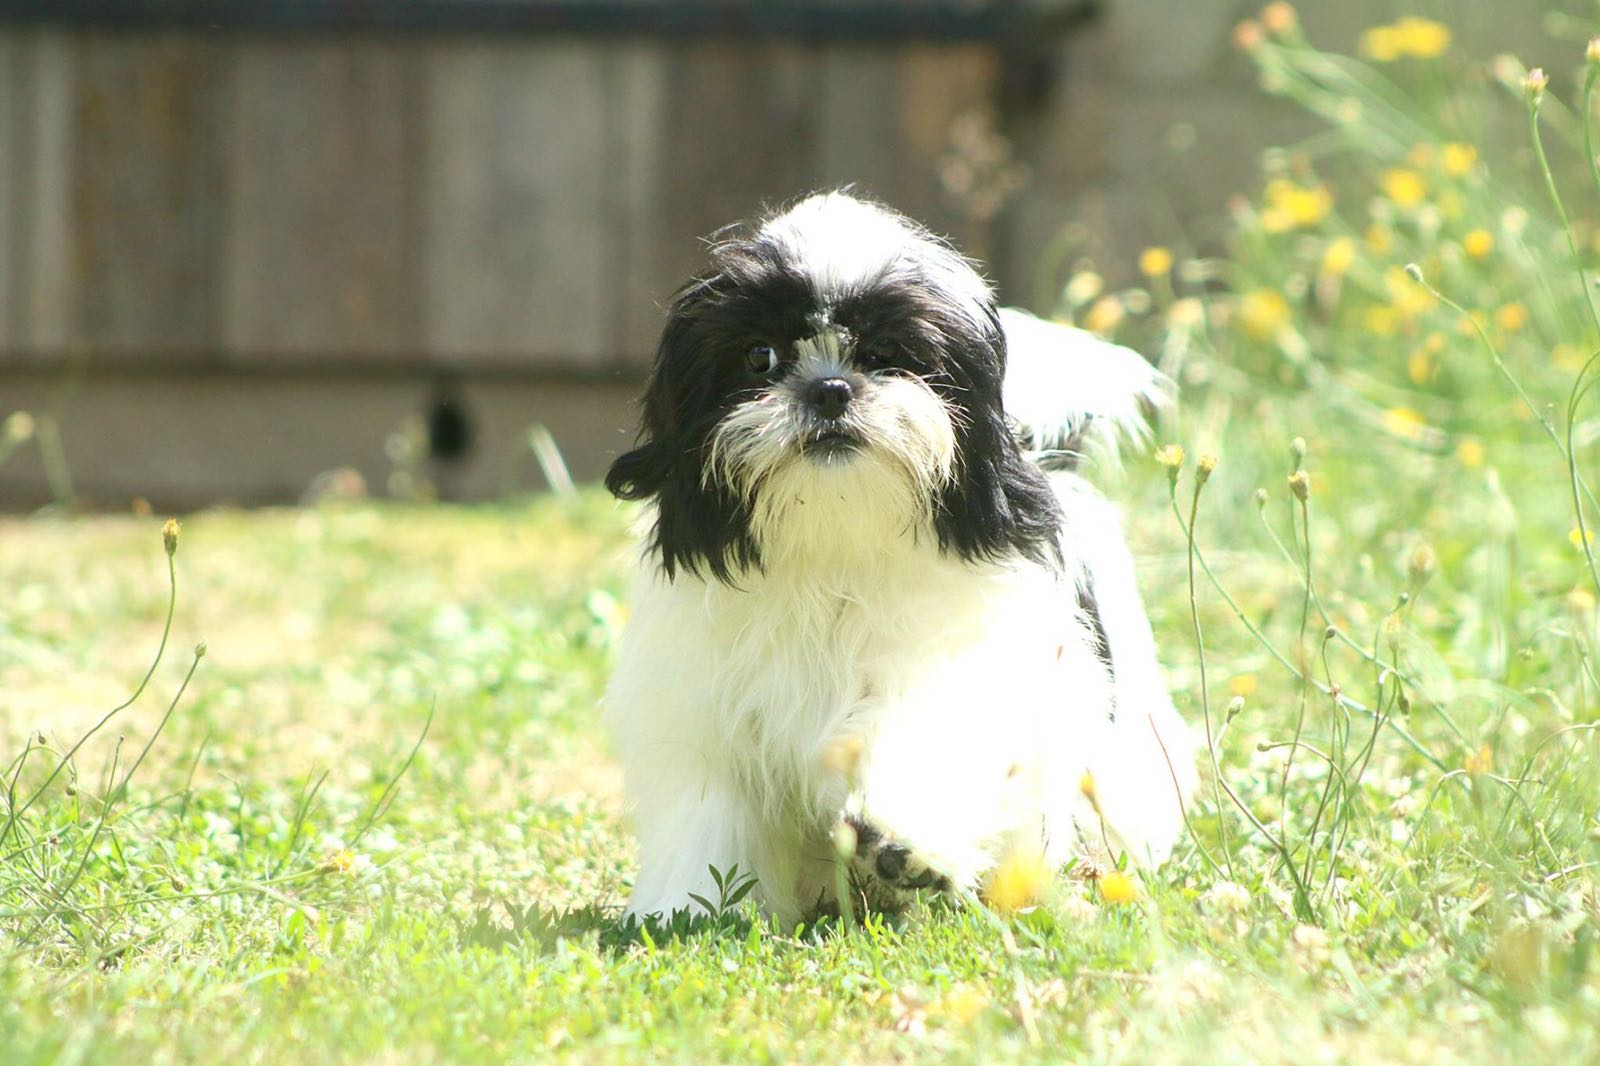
point(954, 705)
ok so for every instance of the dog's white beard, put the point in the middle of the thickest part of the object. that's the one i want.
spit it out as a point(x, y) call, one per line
point(850, 509)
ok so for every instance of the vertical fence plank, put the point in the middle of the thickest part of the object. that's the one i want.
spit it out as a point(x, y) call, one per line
point(637, 154)
point(45, 291)
point(12, 162)
point(515, 187)
point(146, 191)
point(741, 133)
point(322, 232)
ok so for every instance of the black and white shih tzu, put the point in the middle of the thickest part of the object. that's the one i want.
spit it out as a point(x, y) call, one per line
point(873, 591)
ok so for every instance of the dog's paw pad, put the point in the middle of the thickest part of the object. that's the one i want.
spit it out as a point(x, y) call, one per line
point(892, 862)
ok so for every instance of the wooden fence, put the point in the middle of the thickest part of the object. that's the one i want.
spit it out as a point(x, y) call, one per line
point(394, 202)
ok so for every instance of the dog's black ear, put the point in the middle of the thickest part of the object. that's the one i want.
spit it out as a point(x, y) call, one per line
point(637, 475)
point(701, 526)
point(998, 503)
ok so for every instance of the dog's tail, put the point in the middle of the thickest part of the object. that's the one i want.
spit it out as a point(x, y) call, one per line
point(1071, 394)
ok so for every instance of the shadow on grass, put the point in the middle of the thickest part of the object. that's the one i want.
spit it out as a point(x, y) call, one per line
point(502, 925)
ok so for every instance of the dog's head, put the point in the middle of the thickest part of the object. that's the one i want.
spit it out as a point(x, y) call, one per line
point(833, 381)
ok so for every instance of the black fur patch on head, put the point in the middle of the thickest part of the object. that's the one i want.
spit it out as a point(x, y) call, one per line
point(759, 292)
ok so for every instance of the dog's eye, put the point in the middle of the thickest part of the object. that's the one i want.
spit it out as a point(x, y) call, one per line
point(878, 354)
point(761, 360)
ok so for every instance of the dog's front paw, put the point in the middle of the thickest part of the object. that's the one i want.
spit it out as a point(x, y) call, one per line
point(891, 862)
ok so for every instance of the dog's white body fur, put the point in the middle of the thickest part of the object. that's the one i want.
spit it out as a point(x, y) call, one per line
point(968, 697)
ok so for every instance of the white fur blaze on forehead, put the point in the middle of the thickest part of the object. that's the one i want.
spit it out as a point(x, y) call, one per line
point(822, 352)
point(844, 243)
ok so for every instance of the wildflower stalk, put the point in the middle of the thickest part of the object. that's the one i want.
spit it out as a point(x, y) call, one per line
point(1217, 783)
point(161, 649)
point(1569, 453)
point(1272, 649)
point(1299, 490)
point(1580, 487)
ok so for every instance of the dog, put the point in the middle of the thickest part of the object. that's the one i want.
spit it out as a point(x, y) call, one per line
point(879, 617)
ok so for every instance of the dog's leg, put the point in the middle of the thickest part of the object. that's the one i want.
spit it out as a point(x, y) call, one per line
point(685, 829)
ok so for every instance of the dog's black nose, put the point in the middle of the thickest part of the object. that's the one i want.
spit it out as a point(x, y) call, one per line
point(829, 397)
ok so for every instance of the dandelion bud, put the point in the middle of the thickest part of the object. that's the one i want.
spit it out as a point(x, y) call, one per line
point(1422, 562)
point(1171, 457)
point(844, 840)
point(1086, 786)
point(1405, 704)
point(1298, 448)
point(169, 535)
point(1279, 18)
point(1203, 467)
point(1414, 272)
point(1247, 36)
point(1534, 84)
point(1300, 485)
point(1261, 497)
point(18, 427)
point(1330, 633)
point(1591, 54)
point(1235, 705)
point(200, 650)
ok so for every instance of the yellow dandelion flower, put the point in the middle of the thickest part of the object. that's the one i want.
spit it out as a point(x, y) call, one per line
point(1338, 255)
point(1567, 357)
point(1457, 159)
point(1290, 205)
point(1243, 685)
point(1170, 456)
point(1479, 762)
point(1579, 537)
point(1469, 453)
point(1379, 238)
point(1421, 38)
point(1419, 366)
point(1511, 317)
point(1380, 321)
point(1405, 187)
point(1187, 313)
point(1263, 313)
point(1090, 792)
point(1275, 220)
point(1105, 316)
point(1380, 43)
point(1478, 244)
point(1084, 286)
point(1155, 262)
point(1118, 887)
point(1405, 422)
point(1019, 882)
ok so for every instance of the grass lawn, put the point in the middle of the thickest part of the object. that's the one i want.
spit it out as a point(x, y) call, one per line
point(259, 893)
